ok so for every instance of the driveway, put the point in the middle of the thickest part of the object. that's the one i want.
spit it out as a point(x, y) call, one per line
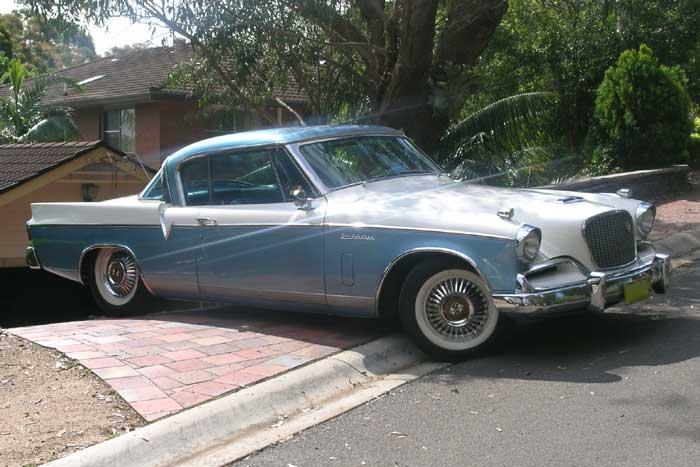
point(165, 362)
point(622, 389)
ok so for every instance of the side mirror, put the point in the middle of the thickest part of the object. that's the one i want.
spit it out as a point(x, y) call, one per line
point(301, 200)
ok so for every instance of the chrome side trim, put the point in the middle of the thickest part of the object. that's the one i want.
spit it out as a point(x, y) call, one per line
point(419, 229)
point(110, 245)
point(403, 255)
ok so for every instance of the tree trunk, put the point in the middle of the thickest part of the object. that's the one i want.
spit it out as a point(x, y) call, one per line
point(407, 101)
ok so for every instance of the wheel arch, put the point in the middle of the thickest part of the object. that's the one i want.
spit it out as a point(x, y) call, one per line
point(389, 286)
point(89, 253)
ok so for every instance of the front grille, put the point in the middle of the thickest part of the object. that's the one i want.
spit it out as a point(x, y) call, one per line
point(610, 237)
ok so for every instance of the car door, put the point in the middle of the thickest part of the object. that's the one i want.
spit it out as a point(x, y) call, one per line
point(258, 247)
point(168, 253)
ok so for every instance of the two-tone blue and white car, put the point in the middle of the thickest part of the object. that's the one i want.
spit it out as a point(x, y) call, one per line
point(351, 220)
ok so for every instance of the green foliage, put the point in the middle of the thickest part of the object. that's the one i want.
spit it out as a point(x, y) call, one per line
point(566, 47)
point(23, 118)
point(402, 65)
point(43, 44)
point(694, 145)
point(642, 109)
point(506, 141)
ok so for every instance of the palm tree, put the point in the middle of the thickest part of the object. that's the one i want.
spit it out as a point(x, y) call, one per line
point(23, 119)
point(507, 142)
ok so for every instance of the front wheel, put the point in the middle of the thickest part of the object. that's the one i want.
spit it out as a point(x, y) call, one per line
point(116, 284)
point(448, 311)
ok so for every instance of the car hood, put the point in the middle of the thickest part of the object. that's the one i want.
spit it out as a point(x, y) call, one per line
point(441, 204)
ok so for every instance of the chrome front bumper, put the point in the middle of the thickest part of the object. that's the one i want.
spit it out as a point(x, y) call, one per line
point(595, 292)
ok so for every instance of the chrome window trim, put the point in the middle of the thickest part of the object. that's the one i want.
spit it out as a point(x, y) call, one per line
point(413, 251)
point(141, 195)
point(295, 149)
point(269, 147)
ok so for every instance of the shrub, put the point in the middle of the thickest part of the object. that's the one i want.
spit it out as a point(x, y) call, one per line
point(642, 112)
point(694, 146)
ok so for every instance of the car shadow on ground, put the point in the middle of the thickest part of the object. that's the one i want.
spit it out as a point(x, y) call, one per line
point(595, 348)
point(37, 297)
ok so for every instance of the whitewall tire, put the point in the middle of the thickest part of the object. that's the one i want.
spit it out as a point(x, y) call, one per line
point(116, 284)
point(447, 310)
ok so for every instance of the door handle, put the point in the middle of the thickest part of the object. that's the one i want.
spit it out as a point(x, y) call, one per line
point(205, 221)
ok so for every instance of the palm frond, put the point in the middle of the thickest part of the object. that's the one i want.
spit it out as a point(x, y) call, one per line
point(23, 118)
point(503, 127)
point(55, 128)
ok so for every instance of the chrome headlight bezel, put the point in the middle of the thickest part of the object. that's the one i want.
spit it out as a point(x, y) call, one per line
point(644, 219)
point(528, 242)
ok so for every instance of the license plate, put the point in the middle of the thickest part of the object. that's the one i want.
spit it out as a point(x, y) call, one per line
point(637, 290)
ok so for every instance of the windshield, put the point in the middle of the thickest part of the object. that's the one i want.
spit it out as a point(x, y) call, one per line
point(348, 161)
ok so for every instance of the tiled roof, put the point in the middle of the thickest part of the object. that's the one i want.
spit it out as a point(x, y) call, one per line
point(137, 76)
point(20, 163)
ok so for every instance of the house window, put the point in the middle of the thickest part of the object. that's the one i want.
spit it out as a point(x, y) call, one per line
point(119, 129)
point(230, 121)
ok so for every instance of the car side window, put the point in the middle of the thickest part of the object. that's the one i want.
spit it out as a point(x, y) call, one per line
point(245, 178)
point(154, 190)
point(290, 176)
point(194, 176)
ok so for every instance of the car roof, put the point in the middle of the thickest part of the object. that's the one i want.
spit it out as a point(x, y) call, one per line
point(277, 136)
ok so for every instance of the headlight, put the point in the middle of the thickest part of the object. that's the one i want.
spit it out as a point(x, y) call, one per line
point(646, 214)
point(529, 239)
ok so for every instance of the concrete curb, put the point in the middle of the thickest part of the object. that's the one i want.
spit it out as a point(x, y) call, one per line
point(681, 243)
point(204, 432)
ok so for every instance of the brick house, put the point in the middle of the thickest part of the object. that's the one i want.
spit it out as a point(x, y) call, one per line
point(125, 102)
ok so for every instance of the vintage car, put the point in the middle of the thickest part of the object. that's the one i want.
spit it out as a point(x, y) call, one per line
point(351, 220)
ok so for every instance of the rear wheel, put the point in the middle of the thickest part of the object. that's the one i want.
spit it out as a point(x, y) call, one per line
point(447, 310)
point(116, 285)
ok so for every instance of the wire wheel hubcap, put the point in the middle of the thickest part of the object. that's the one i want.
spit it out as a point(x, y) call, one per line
point(457, 309)
point(120, 275)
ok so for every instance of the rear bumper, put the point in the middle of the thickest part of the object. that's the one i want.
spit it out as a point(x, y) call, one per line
point(31, 258)
point(596, 292)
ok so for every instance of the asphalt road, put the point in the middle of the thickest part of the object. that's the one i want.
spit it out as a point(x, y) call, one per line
point(622, 389)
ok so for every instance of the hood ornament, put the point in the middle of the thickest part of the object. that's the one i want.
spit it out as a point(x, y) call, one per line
point(506, 213)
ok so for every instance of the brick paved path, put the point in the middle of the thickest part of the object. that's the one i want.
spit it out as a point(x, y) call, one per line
point(163, 363)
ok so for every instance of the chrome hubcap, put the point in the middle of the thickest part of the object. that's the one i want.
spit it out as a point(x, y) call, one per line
point(457, 309)
point(120, 274)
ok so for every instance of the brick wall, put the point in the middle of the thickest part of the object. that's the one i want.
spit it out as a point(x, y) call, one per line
point(88, 121)
point(162, 127)
point(148, 123)
point(179, 126)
